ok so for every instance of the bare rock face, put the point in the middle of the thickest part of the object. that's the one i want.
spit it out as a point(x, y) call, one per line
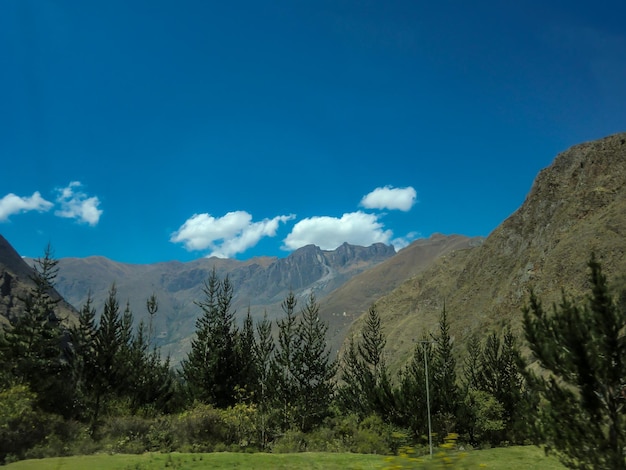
point(15, 283)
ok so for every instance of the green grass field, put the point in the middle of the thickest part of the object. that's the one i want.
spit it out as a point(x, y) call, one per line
point(509, 458)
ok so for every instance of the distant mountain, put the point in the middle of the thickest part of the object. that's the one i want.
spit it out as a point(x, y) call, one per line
point(15, 283)
point(260, 284)
point(577, 205)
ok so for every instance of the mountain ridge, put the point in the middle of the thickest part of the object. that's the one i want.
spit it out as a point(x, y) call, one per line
point(260, 284)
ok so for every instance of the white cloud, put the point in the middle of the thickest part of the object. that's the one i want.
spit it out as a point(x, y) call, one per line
point(75, 204)
point(225, 236)
point(12, 204)
point(356, 228)
point(390, 198)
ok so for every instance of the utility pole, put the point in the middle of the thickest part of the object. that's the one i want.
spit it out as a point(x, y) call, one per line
point(430, 429)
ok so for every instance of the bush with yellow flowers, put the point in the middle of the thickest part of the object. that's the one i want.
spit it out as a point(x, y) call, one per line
point(447, 456)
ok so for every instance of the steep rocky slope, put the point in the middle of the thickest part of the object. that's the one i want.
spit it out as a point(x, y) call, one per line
point(575, 206)
point(15, 283)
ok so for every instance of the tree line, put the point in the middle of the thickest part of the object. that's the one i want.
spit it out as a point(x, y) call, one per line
point(262, 385)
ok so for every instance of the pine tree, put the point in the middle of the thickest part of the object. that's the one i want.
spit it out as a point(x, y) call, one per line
point(446, 397)
point(314, 369)
point(283, 365)
point(411, 394)
point(34, 347)
point(151, 385)
point(210, 369)
point(83, 357)
point(497, 371)
point(351, 393)
point(366, 387)
point(247, 366)
point(263, 351)
point(197, 368)
point(109, 341)
point(517, 400)
point(472, 363)
point(582, 348)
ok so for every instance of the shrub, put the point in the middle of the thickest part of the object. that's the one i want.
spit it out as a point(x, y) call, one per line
point(199, 426)
point(22, 425)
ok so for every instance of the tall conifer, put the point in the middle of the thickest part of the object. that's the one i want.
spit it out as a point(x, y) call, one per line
point(314, 369)
point(210, 369)
point(582, 348)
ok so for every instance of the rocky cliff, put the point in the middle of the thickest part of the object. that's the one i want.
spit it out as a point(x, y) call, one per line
point(15, 283)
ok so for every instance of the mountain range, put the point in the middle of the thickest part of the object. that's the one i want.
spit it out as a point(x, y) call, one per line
point(575, 206)
point(260, 284)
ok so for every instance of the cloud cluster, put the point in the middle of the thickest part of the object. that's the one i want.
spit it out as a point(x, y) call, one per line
point(225, 236)
point(356, 228)
point(390, 198)
point(74, 204)
point(236, 232)
point(12, 204)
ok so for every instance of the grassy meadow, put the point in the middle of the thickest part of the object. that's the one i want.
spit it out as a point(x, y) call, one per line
point(505, 458)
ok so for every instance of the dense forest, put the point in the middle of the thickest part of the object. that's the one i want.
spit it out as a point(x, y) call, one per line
point(99, 383)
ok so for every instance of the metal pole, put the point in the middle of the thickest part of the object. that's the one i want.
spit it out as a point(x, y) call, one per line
point(430, 429)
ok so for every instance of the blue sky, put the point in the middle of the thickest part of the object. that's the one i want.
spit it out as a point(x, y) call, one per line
point(155, 130)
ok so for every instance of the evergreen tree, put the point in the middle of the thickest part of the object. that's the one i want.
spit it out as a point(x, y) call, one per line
point(472, 363)
point(263, 351)
point(491, 365)
point(246, 346)
point(366, 387)
point(283, 365)
point(446, 397)
point(501, 375)
point(152, 306)
point(314, 369)
point(129, 353)
point(34, 347)
point(518, 401)
point(109, 341)
point(210, 369)
point(83, 357)
point(472, 418)
point(411, 394)
point(197, 368)
point(583, 349)
point(351, 392)
point(151, 385)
